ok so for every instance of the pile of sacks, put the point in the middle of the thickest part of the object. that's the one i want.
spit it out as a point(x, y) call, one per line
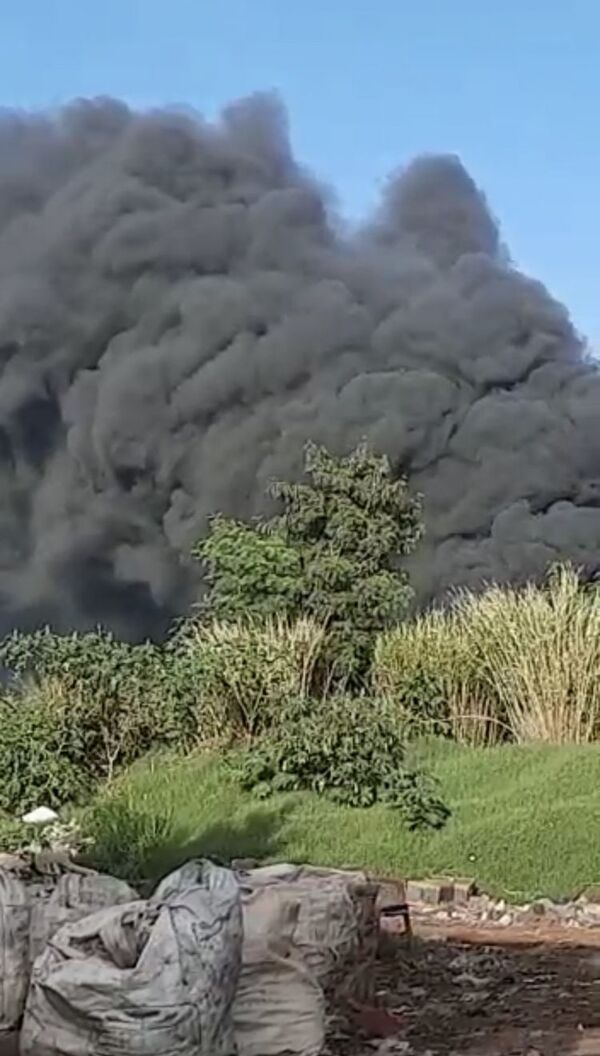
point(213, 963)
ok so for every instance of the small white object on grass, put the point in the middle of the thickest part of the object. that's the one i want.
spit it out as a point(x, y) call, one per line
point(40, 816)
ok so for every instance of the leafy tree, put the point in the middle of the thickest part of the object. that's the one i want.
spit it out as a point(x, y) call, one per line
point(331, 552)
point(249, 572)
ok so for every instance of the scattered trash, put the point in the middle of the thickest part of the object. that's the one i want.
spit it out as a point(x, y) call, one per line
point(40, 816)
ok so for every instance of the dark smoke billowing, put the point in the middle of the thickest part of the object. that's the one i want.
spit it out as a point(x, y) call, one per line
point(178, 313)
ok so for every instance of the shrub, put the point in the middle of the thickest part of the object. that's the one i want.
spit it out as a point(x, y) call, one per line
point(41, 752)
point(243, 672)
point(522, 662)
point(122, 699)
point(348, 748)
point(539, 651)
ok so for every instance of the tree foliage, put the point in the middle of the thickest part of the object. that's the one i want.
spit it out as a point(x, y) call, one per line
point(331, 552)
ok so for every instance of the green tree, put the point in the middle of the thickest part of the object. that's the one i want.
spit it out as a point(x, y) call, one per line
point(248, 572)
point(331, 552)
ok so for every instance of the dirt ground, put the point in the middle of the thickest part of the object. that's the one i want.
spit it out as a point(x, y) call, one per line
point(511, 993)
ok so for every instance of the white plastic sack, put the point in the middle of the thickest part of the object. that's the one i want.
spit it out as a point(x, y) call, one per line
point(327, 931)
point(14, 949)
point(153, 978)
point(73, 897)
point(279, 1006)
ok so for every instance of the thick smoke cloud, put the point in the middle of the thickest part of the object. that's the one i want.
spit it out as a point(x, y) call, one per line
point(179, 313)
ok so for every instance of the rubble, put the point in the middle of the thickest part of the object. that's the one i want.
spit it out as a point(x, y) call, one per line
point(444, 900)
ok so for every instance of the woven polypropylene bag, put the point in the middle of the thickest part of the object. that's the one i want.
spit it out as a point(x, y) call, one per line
point(150, 978)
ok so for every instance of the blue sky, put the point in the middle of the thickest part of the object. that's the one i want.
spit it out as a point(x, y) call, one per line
point(513, 87)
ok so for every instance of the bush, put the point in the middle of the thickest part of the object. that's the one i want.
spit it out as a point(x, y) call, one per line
point(349, 749)
point(122, 699)
point(41, 751)
point(517, 662)
point(539, 651)
point(243, 672)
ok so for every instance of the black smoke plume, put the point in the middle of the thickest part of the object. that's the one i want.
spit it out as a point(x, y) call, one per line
point(180, 311)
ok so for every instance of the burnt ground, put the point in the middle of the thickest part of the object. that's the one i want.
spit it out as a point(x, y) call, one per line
point(476, 994)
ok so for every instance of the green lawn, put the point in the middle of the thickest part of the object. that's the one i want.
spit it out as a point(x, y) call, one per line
point(526, 821)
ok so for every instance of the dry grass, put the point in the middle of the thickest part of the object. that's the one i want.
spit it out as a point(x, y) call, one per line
point(540, 656)
point(427, 669)
point(246, 669)
point(523, 660)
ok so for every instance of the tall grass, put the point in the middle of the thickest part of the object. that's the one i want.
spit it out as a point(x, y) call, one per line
point(520, 661)
point(428, 670)
point(245, 670)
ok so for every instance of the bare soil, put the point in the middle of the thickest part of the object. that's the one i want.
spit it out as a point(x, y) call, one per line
point(480, 992)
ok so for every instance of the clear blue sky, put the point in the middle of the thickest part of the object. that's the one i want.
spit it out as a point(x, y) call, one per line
point(513, 87)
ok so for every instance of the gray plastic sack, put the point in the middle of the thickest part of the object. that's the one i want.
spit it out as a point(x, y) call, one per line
point(14, 949)
point(279, 1006)
point(327, 932)
point(73, 897)
point(150, 978)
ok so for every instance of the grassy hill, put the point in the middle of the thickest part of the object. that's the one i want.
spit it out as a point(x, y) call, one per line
point(526, 820)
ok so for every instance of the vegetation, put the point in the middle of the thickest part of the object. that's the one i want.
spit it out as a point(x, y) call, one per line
point(510, 664)
point(297, 695)
point(503, 820)
point(331, 554)
point(241, 673)
point(348, 748)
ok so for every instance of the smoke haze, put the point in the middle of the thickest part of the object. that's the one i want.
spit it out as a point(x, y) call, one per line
point(179, 312)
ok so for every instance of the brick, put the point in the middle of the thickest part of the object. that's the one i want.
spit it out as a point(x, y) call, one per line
point(464, 890)
point(590, 894)
point(430, 892)
point(391, 893)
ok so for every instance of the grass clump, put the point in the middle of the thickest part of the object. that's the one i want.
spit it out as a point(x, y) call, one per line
point(517, 663)
point(242, 673)
point(125, 829)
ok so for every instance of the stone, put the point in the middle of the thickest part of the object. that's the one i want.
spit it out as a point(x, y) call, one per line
point(542, 906)
point(391, 893)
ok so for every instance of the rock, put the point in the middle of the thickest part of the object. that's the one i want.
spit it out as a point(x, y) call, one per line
point(542, 906)
point(392, 893)
point(392, 1046)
